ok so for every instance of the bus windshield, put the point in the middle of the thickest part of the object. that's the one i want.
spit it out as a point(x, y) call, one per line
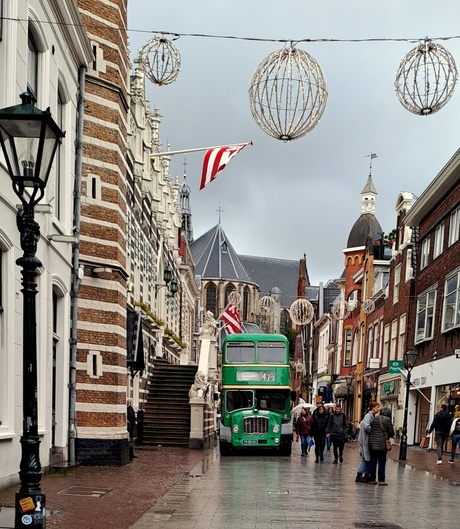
point(241, 353)
point(238, 399)
point(271, 353)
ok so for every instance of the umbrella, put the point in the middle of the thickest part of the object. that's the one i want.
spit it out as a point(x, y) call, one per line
point(298, 408)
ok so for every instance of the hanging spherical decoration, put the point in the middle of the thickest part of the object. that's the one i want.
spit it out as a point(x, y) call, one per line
point(426, 78)
point(160, 60)
point(301, 311)
point(287, 94)
point(234, 298)
point(340, 309)
point(368, 306)
point(266, 304)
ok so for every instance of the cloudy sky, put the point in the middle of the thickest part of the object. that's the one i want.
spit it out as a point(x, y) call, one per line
point(286, 199)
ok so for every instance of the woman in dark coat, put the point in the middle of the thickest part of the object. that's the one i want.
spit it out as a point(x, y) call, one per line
point(302, 428)
point(318, 431)
point(381, 430)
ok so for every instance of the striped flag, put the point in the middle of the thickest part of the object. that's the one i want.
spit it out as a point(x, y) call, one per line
point(231, 318)
point(215, 160)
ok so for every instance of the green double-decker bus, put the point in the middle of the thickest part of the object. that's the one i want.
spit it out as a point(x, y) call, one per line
point(256, 393)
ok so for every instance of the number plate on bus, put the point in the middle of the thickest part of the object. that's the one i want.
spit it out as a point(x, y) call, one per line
point(249, 441)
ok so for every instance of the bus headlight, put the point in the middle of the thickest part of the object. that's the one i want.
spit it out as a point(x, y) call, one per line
point(276, 428)
point(235, 429)
point(277, 440)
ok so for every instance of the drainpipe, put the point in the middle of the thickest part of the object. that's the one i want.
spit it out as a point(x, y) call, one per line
point(77, 272)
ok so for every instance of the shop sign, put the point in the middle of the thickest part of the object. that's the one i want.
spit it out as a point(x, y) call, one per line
point(389, 387)
point(395, 366)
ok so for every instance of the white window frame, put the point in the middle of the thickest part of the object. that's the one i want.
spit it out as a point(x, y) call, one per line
point(347, 347)
point(386, 344)
point(394, 339)
point(402, 333)
point(451, 305)
point(397, 280)
point(454, 228)
point(354, 348)
point(426, 305)
point(425, 253)
point(438, 241)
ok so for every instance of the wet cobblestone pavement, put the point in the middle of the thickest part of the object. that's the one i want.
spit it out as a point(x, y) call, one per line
point(260, 492)
point(169, 488)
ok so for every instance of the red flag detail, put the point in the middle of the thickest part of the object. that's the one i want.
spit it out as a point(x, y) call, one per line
point(215, 160)
point(232, 321)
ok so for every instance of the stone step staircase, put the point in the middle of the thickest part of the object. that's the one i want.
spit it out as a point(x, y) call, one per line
point(167, 409)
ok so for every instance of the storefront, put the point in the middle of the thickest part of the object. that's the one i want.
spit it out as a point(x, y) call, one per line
point(391, 395)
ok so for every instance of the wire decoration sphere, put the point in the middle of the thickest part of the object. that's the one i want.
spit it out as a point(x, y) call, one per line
point(160, 60)
point(287, 94)
point(368, 306)
point(266, 304)
point(426, 78)
point(234, 298)
point(340, 309)
point(301, 311)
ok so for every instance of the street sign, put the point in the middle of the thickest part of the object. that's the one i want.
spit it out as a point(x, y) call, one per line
point(457, 353)
point(395, 366)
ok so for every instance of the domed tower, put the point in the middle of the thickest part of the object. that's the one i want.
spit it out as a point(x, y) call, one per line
point(367, 224)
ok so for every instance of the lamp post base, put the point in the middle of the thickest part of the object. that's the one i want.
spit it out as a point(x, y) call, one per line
point(30, 510)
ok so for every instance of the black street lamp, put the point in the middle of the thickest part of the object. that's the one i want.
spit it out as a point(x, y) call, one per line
point(410, 358)
point(349, 381)
point(169, 282)
point(29, 138)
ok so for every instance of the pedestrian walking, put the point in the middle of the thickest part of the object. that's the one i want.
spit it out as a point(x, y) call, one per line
point(330, 411)
point(381, 431)
point(456, 411)
point(318, 431)
point(441, 426)
point(130, 425)
point(337, 428)
point(455, 435)
point(302, 428)
point(362, 472)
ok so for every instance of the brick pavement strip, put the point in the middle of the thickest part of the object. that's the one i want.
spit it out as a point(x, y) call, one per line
point(133, 489)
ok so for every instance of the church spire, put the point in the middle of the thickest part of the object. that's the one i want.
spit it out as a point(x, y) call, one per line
point(369, 193)
point(186, 211)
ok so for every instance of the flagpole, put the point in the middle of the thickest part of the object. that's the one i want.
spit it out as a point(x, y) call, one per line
point(185, 151)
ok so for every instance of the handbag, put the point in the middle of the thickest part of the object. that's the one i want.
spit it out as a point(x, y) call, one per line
point(387, 441)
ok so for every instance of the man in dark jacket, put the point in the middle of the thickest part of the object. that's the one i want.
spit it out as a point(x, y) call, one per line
point(441, 425)
point(337, 428)
point(318, 431)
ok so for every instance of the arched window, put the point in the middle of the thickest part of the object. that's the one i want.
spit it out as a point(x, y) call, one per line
point(285, 321)
point(211, 298)
point(229, 288)
point(245, 304)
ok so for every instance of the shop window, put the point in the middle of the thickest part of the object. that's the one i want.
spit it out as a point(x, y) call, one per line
point(425, 316)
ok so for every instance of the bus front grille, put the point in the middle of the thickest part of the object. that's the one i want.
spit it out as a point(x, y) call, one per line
point(255, 425)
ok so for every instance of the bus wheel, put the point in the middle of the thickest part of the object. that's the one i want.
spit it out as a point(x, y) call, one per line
point(286, 449)
point(224, 448)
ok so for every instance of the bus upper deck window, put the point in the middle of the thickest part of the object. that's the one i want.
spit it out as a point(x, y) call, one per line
point(243, 353)
point(271, 353)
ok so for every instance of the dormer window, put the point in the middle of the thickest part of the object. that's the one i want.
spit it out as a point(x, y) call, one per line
point(223, 247)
